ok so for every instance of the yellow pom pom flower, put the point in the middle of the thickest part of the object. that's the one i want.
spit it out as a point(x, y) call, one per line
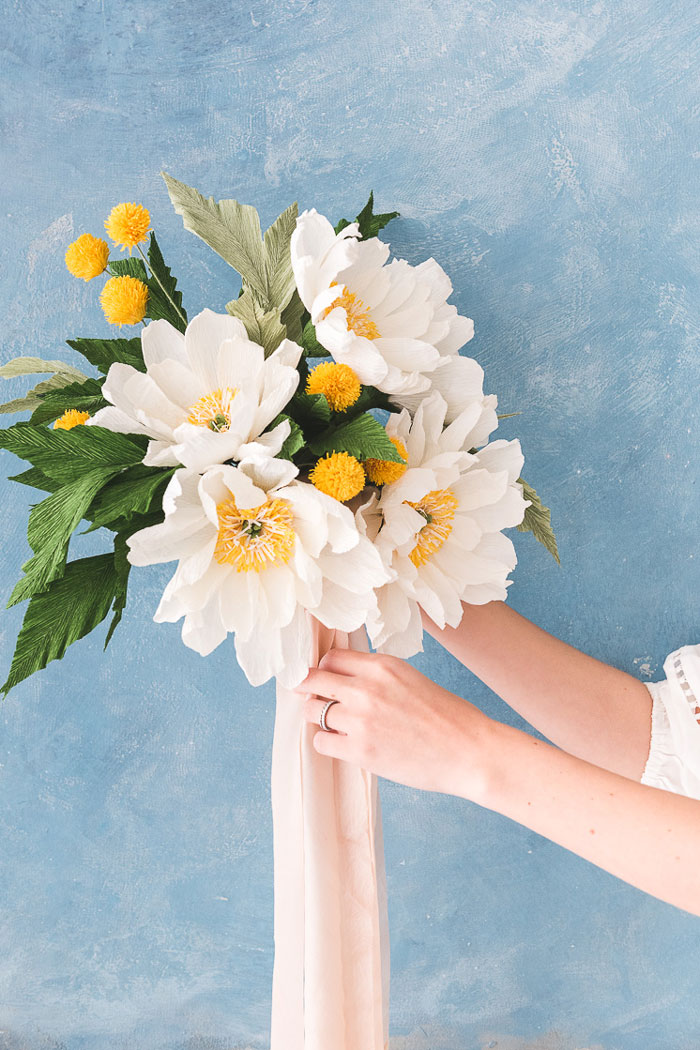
point(73, 417)
point(128, 224)
point(124, 300)
point(87, 256)
point(339, 475)
point(338, 382)
point(384, 471)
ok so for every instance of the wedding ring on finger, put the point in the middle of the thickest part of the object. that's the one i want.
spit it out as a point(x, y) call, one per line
point(322, 720)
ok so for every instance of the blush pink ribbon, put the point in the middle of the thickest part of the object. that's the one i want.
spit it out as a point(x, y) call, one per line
point(330, 983)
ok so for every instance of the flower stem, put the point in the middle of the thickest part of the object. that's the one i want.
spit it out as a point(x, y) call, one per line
point(165, 293)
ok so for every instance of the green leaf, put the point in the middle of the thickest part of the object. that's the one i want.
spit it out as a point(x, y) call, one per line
point(278, 259)
point(85, 396)
point(508, 415)
point(262, 328)
point(164, 299)
point(130, 493)
point(24, 366)
point(122, 567)
point(67, 454)
point(294, 442)
point(369, 398)
point(70, 608)
point(35, 479)
point(51, 524)
point(105, 352)
point(230, 228)
point(537, 520)
point(309, 410)
point(369, 223)
point(131, 266)
point(292, 317)
point(311, 345)
point(363, 437)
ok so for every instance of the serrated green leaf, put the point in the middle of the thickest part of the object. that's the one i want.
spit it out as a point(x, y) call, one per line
point(131, 266)
point(369, 398)
point(51, 524)
point(363, 437)
point(35, 479)
point(278, 260)
point(262, 328)
point(292, 316)
point(67, 454)
point(164, 299)
point(311, 345)
point(24, 366)
point(311, 411)
point(34, 396)
point(369, 223)
point(537, 520)
point(230, 228)
point(67, 610)
point(122, 568)
point(105, 352)
point(294, 442)
point(130, 493)
point(85, 397)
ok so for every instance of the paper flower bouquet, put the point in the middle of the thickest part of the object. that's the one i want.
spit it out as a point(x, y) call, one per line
point(319, 448)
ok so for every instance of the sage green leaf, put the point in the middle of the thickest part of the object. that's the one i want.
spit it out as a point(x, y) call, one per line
point(508, 415)
point(262, 327)
point(24, 366)
point(278, 259)
point(131, 492)
point(363, 437)
point(51, 524)
point(85, 397)
point(71, 607)
point(537, 520)
point(292, 317)
point(230, 228)
point(67, 454)
point(105, 352)
point(164, 299)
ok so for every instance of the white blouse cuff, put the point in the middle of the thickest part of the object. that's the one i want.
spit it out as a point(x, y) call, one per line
point(663, 767)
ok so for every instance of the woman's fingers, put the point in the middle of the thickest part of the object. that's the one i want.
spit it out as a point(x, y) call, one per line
point(329, 684)
point(336, 718)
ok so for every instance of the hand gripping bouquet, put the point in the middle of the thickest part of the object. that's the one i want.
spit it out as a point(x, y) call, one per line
point(317, 460)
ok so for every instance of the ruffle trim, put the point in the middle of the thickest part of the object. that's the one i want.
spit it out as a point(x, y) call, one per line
point(663, 767)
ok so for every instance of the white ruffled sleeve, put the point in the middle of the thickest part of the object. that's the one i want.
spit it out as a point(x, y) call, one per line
point(674, 754)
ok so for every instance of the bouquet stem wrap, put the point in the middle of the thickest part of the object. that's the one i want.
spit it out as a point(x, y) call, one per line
point(330, 985)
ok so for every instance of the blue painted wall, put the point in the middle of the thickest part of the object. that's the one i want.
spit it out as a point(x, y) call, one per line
point(547, 155)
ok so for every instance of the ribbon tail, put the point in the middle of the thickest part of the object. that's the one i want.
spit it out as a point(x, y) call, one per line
point(331, 971)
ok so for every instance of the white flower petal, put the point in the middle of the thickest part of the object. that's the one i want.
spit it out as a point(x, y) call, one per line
point(161, 341)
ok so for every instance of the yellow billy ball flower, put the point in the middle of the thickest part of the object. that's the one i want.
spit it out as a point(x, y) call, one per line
point(128, 224)
point(72, 417)
point(384, 471)
point(124, 300)
point(87, 256)
point(339, 475)
point(338, 382)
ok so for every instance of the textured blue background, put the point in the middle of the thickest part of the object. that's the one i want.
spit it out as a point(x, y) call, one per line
point(547, 155)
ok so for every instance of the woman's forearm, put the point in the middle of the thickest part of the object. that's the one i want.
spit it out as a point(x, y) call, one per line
point(646, 836)
point(590, 709)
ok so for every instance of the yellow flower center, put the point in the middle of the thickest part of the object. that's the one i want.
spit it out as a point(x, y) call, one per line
point(384, 471)
point(87, 256)
point(438, 508)
point(254, 538)
point(339, 475)
point(124, 299)
point(338, 383)
point(213, 410)
point(128, 224)
point(72, 417)
point(359, 316)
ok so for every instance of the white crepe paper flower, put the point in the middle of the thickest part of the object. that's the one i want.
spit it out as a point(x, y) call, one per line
point(257, 551)
point(438, 526)
point(389, 321)
point(204, 395)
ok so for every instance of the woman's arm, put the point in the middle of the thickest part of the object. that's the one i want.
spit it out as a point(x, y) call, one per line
point(588, 708)
point(394, 721)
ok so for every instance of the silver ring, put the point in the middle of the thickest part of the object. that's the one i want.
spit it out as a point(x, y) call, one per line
point(324, 712)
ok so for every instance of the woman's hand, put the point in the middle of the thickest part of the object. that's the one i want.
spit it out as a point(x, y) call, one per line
point(395, 722)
